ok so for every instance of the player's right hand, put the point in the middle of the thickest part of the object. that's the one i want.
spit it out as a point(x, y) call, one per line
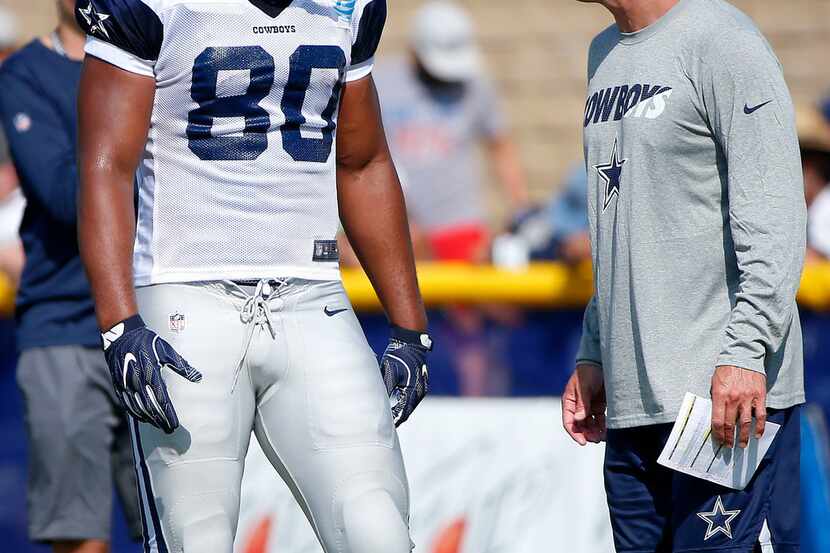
point(135, 355)
point(583, 405)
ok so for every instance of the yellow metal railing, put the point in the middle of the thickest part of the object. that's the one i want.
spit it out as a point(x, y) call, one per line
point(541, 284)
point(550, 285)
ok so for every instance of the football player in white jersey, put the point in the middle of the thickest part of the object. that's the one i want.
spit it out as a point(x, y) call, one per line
point(249, 126)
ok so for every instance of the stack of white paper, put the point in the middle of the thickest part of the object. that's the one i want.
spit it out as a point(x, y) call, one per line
point(692, 450)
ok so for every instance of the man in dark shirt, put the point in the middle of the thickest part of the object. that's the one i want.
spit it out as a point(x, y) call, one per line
point(78, 434)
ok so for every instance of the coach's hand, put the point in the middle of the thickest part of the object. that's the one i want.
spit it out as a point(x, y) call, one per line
point(583, 405)
point(737, 395)
point(135, 355)
point(404, 370)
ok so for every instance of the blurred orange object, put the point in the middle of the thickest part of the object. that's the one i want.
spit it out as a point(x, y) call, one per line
point(451, 538)
point(258, 540)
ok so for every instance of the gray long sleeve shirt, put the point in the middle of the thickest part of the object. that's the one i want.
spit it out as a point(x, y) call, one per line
point(697, 214)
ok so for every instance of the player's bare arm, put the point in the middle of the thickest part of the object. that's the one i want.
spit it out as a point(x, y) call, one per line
point(112, 103)
point(373, 215)
point(372, 206)
point(115, 103)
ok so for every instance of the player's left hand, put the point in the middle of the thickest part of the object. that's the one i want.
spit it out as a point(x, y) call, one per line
point(404, 370)
point(737, 395)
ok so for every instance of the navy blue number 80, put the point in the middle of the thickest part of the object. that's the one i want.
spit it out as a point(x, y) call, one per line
point(254, 139)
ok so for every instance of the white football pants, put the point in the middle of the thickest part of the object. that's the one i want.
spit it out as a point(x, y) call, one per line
point(289, 362)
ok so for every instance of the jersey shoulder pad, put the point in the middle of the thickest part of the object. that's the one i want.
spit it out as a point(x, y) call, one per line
point(131, 25)
point(368, 21)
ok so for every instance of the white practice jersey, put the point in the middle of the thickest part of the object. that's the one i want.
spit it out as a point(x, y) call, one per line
point(238, 178)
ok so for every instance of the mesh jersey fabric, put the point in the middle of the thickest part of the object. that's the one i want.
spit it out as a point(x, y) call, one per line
point(238, 177)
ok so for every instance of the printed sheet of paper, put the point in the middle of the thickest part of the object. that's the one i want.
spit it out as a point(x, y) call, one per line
point(691, 449)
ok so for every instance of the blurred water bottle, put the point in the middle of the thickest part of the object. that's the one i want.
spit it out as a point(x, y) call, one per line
point(511, 252)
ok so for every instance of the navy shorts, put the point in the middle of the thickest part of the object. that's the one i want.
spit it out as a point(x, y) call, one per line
point(657, 510)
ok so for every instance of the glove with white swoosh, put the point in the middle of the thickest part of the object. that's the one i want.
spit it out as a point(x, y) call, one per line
point(404, 370)
point(135, 355)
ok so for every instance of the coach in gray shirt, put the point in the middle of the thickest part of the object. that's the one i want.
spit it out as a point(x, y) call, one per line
point(697, 220)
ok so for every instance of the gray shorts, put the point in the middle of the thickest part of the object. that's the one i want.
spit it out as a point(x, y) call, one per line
point(78, 437)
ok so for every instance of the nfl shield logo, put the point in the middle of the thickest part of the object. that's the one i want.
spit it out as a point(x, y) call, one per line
point(177, 322)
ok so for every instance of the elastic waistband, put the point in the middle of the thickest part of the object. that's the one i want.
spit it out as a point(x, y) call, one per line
point(295, 292)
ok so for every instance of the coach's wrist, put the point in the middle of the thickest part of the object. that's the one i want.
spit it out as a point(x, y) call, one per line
point(747, 364)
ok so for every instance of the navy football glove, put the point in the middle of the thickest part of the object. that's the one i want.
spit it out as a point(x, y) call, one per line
point(135, 355)
point(404, 370)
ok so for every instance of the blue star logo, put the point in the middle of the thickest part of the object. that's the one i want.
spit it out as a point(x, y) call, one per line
point(95, 20)
point(610, 173)
point(719, 520)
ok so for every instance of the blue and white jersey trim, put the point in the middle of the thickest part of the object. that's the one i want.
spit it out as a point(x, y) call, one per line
point(345, 9)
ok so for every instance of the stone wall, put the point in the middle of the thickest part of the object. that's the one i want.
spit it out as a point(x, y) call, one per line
point(536, 51)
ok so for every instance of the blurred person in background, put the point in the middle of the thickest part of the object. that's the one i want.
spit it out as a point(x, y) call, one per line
point(558, 230)
point(814, 141)
point(568, 213)
point(439, 109)
point(78, 438)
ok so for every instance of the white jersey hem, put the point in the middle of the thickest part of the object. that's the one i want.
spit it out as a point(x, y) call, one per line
point(360, 70)
point(251, 273)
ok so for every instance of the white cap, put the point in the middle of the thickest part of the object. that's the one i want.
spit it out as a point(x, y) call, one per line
point(443, 39)
point(8, 28)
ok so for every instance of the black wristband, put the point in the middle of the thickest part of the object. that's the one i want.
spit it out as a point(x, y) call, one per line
point(412, 337)
point(118, 330)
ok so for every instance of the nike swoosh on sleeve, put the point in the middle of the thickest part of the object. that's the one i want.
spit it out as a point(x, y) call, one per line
point(750, 110)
